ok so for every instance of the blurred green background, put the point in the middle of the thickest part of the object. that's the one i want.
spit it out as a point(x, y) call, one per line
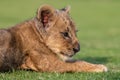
point(98, 22)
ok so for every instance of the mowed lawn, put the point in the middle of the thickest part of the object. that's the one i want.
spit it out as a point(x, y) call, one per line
point(98, 22)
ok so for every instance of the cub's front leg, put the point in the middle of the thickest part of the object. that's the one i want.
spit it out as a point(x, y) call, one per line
point(78, 66)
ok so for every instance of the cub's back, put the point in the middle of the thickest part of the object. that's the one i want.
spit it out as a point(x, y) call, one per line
point(5, 38)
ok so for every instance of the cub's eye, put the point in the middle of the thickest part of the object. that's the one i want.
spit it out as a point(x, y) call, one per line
point(65, 34)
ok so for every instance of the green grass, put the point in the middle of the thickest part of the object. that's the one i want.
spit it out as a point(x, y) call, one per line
point(98, 22)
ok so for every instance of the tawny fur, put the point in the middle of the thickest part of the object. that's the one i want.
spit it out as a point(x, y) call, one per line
point(42, 44)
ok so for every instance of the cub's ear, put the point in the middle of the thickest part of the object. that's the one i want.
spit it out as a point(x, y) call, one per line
point(66, 9)
point(45, 14)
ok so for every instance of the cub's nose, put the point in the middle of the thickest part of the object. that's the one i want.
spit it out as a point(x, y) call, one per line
point(76, 48)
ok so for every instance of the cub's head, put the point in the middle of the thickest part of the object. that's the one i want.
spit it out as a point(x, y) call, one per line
point(60, 30)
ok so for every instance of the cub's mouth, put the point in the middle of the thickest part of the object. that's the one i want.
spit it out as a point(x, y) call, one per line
point(68, 55)
point(71, 52)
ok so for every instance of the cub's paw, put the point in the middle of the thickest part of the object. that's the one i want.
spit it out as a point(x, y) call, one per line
point(101, 68)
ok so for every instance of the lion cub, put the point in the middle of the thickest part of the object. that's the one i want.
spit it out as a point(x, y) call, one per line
point(45, 43)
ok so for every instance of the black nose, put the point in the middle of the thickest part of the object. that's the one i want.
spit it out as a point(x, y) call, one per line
point(77, 48)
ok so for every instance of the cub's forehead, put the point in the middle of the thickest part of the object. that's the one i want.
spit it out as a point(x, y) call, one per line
point(65, 17)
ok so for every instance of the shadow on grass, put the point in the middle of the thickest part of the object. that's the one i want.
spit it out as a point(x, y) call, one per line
point(96, 60)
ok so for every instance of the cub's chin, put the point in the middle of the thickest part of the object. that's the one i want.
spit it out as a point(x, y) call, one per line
point(66, 58)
